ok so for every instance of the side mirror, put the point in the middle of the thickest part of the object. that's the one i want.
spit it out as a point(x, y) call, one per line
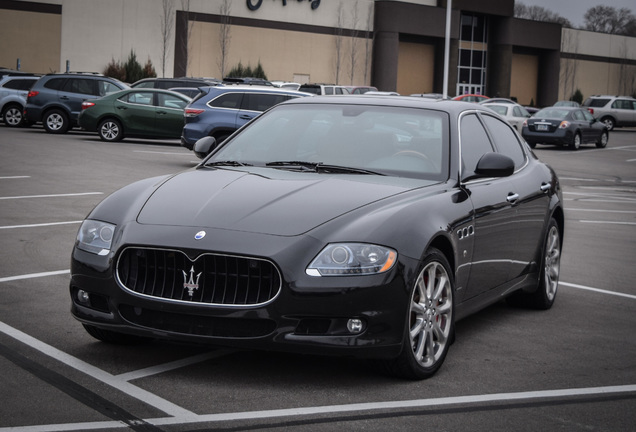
point(204, 146)
point(495, 165)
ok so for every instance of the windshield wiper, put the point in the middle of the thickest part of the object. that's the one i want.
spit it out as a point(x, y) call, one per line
point(343, 169)
point(321, 167)
point(294, 164)
point(227, 163)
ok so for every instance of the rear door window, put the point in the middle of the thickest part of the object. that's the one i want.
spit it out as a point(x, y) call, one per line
point(261, 101)
point(228, 101)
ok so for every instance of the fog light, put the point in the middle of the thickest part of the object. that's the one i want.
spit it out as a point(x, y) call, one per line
point(83, 297)
point(354, 325)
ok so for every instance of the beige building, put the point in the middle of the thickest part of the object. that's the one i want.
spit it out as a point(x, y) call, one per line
point(394, 45)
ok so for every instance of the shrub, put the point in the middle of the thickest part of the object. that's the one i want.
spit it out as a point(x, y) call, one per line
point(577, 97)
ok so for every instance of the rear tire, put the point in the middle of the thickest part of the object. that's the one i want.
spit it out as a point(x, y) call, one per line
point(430, 321)
point(609, 122)
point(112, 337)
point(543, 298)
point(56, 122)
point(13, 116)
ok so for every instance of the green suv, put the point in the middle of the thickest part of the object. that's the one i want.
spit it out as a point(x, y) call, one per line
point(56, 99)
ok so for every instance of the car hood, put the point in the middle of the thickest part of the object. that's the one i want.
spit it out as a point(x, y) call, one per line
point(266, 201)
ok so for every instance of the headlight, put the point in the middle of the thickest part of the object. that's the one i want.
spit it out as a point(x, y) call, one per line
point(95, 237)
point(345, 259)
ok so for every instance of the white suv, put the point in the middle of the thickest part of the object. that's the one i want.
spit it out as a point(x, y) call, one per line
point(614, 111)
point(13, 94)
point(324, 89)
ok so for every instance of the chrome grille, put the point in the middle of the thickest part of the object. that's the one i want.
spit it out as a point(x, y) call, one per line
point(213, 279)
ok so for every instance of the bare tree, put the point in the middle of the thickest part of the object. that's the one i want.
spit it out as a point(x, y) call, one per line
point(570, 43)
point(538, 13)
point(339, 37)
point(353, 53)
point(224, 35)
point(188, 24)
point(608, 19)
point(166, 24)
point(367, 44)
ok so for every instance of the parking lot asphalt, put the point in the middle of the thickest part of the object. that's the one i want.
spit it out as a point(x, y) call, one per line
point(572, 368)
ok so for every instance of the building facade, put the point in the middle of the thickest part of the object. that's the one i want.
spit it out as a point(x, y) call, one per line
point(395, 45)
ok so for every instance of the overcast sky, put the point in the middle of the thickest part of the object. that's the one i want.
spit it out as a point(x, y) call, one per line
point(575, 9)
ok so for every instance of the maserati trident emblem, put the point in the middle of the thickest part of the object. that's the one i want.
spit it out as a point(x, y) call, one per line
point(191, 285)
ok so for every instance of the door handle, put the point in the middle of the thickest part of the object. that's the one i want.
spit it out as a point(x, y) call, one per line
point(512, 197)
point(246, 117)
point(121, 108)
point(546, 187)
point(162, 112)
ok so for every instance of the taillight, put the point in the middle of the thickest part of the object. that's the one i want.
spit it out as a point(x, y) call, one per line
point(33, 93)
point(591, 110)
point(87, 105)
point(564, 125)
point(192, 112)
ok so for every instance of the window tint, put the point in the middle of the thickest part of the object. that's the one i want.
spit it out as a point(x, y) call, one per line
point(261, 102)
point(19, 84)
point(228, 100)
point(80, 85)
point(146, 84)
point(55, 83)
point(140, 98)
point(328, 90)
point(105, 88)
point(596, 102)
point(171, 101)
point(588, 116)
point(578, 115)
point(166, 84)
point(505, 140)
point(474, 144)
point(623, 104)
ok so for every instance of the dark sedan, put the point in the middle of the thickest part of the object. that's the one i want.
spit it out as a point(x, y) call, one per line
point(564, 126)
point(138, 113)
point(361, 226)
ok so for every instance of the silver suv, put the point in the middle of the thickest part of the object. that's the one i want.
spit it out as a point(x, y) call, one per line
point(324, 89)
point(614, 111)
point(13, 93)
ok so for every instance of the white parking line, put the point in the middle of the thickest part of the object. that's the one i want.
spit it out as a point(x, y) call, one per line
point(34, 275)
point(100, 375)
point(14, 177)
point(51, 196)
point(608, 222)
point(177, 364)
point(39, 225)
point(583, 287)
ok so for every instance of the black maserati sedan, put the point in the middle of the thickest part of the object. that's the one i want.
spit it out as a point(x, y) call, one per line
point(361, 226)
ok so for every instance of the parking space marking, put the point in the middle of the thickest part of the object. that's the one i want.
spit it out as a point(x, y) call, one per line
point(495, 398)
point(166, 367)
point(51, 196)
point(39, 225)
point(34, 275)
point(14, 177)
point(165, 153)
point(608, 222)
point(601, 210)
point(96, 373)
point(583, 287)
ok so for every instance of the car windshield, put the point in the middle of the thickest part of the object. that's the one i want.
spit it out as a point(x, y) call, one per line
point(499, 109)
point(345, 139)
point(552, 113)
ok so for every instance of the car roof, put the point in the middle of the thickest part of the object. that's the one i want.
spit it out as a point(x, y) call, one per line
point(450, 106)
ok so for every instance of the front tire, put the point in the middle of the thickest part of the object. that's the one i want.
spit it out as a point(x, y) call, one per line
point(110, 130)
point(602, 140)
point(56, 122)
point(430, 321)
point(576, 142)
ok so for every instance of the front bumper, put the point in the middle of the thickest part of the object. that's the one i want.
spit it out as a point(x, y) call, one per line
point(308, 315)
